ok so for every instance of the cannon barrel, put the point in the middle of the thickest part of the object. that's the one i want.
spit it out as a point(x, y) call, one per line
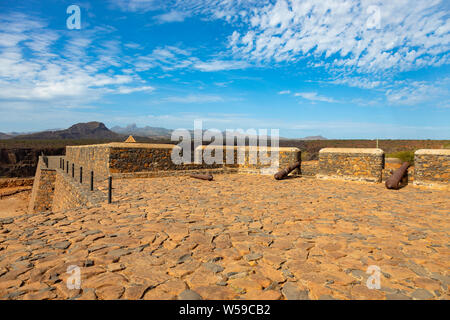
point(208, 177)
point(280, 175)
point(393, 182)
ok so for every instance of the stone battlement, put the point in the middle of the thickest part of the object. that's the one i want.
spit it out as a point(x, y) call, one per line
point(254, 159)
point(56, 189)
point(432, 167)
point(358, 164)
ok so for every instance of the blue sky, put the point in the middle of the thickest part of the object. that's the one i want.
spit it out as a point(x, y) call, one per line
point(342, 69)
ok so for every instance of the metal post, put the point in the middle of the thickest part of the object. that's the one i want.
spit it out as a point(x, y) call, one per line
point(62, 164)
point(67, 167)
point(109, 189)
point(81, 174)
point(73, 170)
point(92, 180)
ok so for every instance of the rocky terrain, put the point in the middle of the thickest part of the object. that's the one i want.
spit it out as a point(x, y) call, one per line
point(237, 237)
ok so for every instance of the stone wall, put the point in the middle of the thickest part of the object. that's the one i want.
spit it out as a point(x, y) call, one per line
point(310, 168)
point(91, 158)
point(253, 158)
point(43, 189)
point(432, 167)
point(143, 157)
point(356, 164)
point(132, 159)
point(70, 194)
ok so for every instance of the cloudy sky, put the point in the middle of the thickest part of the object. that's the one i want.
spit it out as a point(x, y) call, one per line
point(338, 68)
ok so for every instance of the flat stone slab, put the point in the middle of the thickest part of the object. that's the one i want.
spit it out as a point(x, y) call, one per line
point(237, 237)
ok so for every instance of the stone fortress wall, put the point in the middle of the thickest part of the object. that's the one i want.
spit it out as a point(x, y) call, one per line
point(43, 188)
point(69, 193)
point(351, 164)
point(54, 189)
point(254, 160)
point(57, 189)
point(432, 167)
point(122, 159)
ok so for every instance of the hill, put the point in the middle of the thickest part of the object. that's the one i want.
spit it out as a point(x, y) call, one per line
point(4, 136)
point(88, 130)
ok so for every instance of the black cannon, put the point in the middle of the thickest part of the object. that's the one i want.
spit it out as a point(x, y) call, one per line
point(393, 182)
point(208, 177)
point(280, 175)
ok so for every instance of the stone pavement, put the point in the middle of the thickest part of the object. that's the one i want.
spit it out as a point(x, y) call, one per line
point(237, 237)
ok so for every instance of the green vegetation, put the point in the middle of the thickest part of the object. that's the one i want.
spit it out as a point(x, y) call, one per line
point(403, 155)
point(305, 156)
point(447, 146)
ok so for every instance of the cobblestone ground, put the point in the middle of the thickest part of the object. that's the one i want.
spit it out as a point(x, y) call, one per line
point(238, 237)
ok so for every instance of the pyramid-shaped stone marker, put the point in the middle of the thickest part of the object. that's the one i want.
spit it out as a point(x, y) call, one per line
point(130, 139)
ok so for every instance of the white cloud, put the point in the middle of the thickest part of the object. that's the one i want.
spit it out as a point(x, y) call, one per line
point(219, 65)
point(172, 16)
point(167, 58)
point(313, 96)
point(229, 10)
point(127, 90)
point(412, 34)
point(194, 98)
point(137, 5)
point(31, 69)
point(285, 92)
point(359, 82)
point(419, 92)
point(172, 58)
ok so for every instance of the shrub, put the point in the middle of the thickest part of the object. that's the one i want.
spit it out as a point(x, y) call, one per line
point(403, 156)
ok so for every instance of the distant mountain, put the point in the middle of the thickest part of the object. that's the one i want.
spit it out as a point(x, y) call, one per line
point(89, 130)
point(314, 138)
point(146, 131)
point(4, 136)
point(97, 130)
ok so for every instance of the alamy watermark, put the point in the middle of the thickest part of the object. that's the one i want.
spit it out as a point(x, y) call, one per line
point(240, 146)
point(74, 20)
point(374, 20)
point(74, 280)
point(374, 280)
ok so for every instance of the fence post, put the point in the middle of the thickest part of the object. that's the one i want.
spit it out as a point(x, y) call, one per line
point(92, 180)
point(73, 170)
point(109, 189)
point(62, 162)
point(81, 174)
point(67, 167)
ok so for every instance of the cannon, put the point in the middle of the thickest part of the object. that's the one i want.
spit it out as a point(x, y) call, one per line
point(208, 177)
point(280, 175)
point(393, 182)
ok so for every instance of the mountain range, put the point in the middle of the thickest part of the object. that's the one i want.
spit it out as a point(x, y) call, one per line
point(89, 130)
point(97, 130)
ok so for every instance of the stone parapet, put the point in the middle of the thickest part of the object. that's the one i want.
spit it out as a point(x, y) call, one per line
point(310, 168)
point(43, 189)
point(70, 194)
point(358, 164)
point(432, 167)
point(91, 158)
point(131, 159)
point(254, 160)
